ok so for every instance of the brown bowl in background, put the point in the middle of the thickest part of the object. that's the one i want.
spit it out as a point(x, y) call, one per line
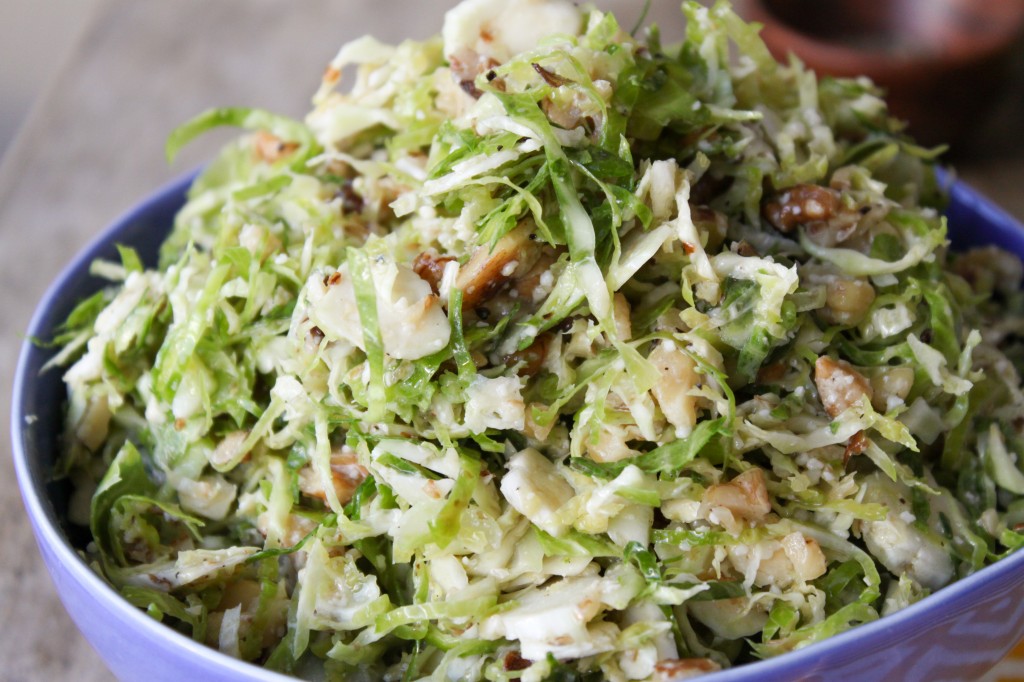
point(943, 63)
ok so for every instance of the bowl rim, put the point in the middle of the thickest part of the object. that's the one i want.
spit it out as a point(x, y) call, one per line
point(908, 621)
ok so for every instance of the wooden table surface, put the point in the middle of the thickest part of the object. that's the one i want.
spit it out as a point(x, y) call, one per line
point(93, 146)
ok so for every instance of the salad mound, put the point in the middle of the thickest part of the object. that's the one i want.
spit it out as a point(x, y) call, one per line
point(548, 351)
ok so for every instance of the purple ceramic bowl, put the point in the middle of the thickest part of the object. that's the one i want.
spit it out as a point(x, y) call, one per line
point(955, 634)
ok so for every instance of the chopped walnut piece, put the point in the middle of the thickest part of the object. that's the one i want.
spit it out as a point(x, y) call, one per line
point(745, 496)
point(550, 77)
point(773, 373)
point(805, 555)
point(429, 266)
point(801, 204)
point(535, 284)
point(612, 442)
point(515, 661)
point(840, 386)
point(532, 357)
point(891, 386)
point(744, 248)
point(270, 148)
point(466, 65)
point(672, 669)
point(821, 212)
point(346, 471)
point(857, 444)
point(678, 375)
point(847, 301)
point(490, 268)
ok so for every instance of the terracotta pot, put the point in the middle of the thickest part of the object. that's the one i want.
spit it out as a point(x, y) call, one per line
point(942, 62)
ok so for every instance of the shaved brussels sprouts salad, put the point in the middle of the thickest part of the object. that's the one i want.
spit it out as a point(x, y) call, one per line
point(549, 351)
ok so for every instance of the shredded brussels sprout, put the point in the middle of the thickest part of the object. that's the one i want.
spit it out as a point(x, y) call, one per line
point(548, 351)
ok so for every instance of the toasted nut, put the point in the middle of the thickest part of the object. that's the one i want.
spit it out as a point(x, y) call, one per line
point(745, 249)
point(489, 269)
point(550, 77)
point(515, 661)
point(346, 472)
point(839, 385)
point(535, 284)
point(672, 669)
point(429, 266)
point(466, 65)
point(678, 376)
point(612, 442)
point(270, 148)
point(745, 496)
point(773, 373)
point(773, 569)
point(805, 555)
point(821, 211)
point(857, 444)
point(799, 205)
point(531, 357)
point(891, 386)
point(847, 301)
